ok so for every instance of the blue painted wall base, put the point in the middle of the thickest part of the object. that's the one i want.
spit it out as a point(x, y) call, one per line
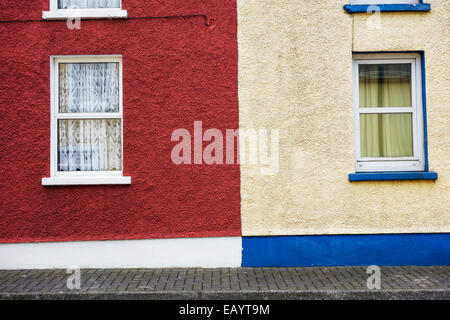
point(347, 250)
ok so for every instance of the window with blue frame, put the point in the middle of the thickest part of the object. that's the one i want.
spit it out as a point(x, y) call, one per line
point(389, 117)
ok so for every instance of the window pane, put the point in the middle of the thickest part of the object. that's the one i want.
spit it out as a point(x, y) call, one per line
point(83, 4)
point(89, 145)
point(385, 85)
point(386, 135)
point(88, 87)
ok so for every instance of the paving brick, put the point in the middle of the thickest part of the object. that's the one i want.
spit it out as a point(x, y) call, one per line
point(224, 280)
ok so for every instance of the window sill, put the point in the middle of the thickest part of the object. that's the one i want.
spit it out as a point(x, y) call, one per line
point(388, 176)
point(63, 14)
point(404, 7)
point(76, 181)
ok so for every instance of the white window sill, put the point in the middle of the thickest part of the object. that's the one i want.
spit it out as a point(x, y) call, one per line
point(74, 181)
point(63, 14)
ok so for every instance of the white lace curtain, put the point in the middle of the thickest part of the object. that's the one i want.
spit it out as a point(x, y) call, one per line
point(88, 87)
point(83, 4)
point(89, 144)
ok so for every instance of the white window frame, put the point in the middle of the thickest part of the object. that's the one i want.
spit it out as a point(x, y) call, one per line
point(80, 177)
point(89, 13)
point(374, 2)
point(417, 161)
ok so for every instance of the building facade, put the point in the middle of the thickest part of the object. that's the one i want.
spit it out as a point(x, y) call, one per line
point(120, 131)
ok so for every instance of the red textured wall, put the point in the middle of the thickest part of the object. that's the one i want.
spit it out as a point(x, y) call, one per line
point(175, 70)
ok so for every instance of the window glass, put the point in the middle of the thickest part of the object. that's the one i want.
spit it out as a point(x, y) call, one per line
point(386, 135)
point(384, 85)
point(89, 145)
point(88, 87)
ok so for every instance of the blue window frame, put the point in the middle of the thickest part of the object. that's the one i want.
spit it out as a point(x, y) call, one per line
point(362, 6)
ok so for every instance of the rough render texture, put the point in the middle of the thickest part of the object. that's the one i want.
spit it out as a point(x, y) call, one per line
point(295, 74)
point(175, 70)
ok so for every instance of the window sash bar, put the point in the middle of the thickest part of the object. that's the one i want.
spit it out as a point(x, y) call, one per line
point(99, 115)
point(388, 110)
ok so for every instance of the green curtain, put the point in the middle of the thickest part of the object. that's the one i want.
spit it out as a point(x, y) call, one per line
point(385, 134)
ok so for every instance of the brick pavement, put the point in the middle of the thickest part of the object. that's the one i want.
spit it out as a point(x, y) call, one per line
point(228, 283)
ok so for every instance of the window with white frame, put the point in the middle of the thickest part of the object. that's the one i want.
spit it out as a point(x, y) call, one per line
point(389, 133)
point(86, 120)
point(92, 9)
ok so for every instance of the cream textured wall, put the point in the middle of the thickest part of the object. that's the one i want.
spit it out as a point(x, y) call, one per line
point(295, 59)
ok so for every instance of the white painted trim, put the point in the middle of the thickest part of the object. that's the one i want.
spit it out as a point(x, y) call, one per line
point(74, 181)
point(64, 14)
point(153, 253)
point(82, 177)
point(417, 161)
